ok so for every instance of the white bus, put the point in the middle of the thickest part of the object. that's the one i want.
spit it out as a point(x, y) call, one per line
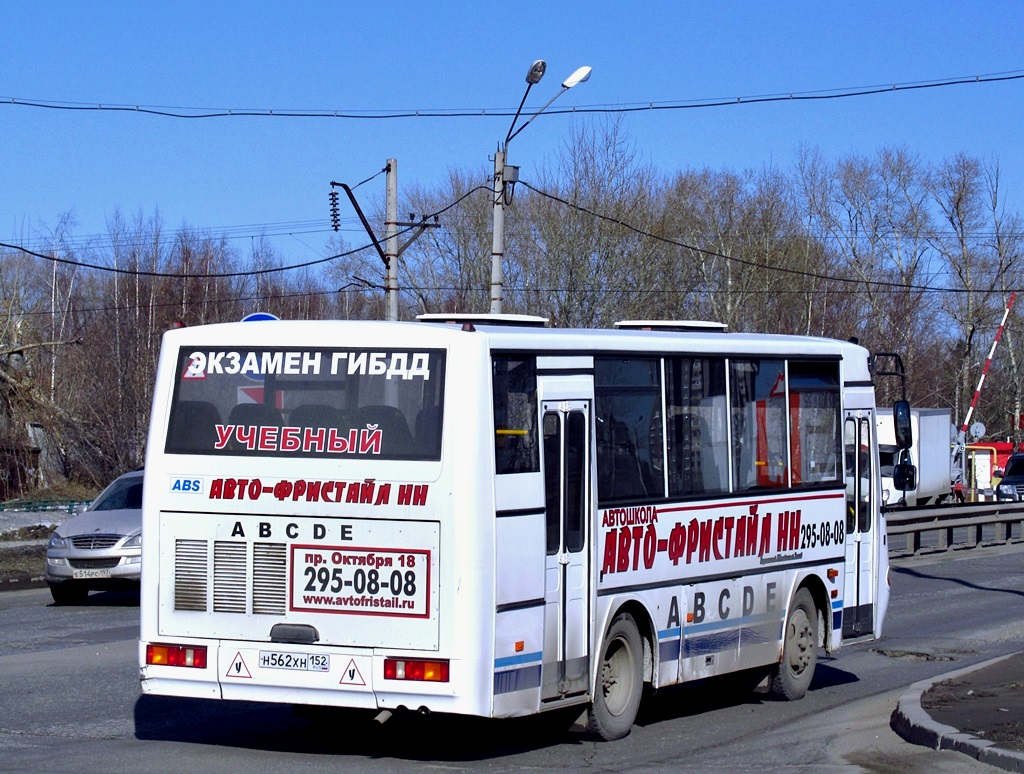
point(496, 518)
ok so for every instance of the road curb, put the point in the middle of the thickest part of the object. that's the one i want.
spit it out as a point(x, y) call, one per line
point(20, 582)
point(914, 724)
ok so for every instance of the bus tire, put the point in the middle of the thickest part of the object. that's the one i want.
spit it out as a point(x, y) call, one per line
point(793, 675)
point(620, 681)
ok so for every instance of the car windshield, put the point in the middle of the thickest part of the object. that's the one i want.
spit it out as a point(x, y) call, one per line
point(126, 493)
point(1015, 468)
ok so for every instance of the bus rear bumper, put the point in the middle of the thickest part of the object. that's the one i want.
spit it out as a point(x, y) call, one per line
point(295, 674)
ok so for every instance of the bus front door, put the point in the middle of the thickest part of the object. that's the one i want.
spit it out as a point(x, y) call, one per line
point(567, 487)
point(858, 606)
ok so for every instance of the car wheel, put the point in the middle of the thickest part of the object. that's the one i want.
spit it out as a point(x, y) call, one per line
point(68, 593)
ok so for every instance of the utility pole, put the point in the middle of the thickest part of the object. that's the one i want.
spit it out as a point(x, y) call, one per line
point(391, 242)
point(391, 250)
point(498, 238)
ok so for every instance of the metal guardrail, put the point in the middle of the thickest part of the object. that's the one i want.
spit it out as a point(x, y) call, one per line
point(42, 506)
point(948, 527)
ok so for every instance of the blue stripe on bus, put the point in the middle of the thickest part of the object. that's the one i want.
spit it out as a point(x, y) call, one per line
point(524, 675)
point(732, 623)
point(526, 678)
point(729, 634)
point(837, 614)
point(519, 658)
point(669, 644)
point(729, 640)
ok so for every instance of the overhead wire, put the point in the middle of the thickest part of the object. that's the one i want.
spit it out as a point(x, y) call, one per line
point(294, 229)
point(230, 274)
point(192, 113)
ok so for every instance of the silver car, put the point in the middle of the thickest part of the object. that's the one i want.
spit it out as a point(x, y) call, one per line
point(101, 547)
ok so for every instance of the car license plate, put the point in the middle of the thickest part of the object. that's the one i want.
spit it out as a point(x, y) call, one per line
point(88, 574)
point(305, 662)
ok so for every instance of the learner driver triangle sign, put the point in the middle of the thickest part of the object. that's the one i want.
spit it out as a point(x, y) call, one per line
point(237, 668)
point(351, 675)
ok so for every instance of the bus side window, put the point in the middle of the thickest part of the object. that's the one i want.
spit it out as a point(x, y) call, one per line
point(629, 428)
point(514, 382)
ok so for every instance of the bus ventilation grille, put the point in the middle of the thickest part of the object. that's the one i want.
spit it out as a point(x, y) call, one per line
point(227, 572)
point(190, 575)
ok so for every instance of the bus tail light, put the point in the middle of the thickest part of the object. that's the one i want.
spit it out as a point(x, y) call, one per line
point(409, 669)
point(176, 656)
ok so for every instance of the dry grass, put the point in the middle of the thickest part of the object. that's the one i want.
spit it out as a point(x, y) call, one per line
point(21, 562)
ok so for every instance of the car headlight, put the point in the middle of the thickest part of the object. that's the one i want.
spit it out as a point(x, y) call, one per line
point(135, 542)
point(56, 541)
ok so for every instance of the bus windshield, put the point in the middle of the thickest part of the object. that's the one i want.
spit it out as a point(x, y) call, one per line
point(308, 402)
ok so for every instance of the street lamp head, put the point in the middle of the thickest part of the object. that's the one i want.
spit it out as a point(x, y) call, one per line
point(580, 75)
point(536, 72)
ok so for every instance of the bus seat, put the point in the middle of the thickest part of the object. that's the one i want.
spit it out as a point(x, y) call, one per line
point(620, 477)
point(395, 435)
point(428, 423)
point(318, 415)
point(255, 414)
point(428, 430)
point(194, 427)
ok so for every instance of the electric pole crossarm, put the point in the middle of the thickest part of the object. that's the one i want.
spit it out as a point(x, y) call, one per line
point(363, 220)
point(420, 227)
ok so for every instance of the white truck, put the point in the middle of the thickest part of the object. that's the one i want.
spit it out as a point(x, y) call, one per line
point(930, 453)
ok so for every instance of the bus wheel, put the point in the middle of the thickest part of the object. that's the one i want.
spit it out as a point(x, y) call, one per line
point(619, 681)
point(793, 675)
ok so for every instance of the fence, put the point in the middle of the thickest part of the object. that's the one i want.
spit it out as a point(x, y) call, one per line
point(947, 527)
point(42, 506)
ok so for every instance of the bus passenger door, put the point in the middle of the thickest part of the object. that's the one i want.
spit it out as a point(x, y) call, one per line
point(567, 488)
point(858, 606)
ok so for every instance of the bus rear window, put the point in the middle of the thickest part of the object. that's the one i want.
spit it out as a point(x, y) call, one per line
point(308, 402)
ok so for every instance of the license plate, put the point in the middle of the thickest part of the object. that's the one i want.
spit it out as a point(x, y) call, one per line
point(304, 662)
point(87, 574)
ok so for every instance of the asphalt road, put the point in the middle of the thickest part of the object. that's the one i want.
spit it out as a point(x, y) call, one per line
point(71, 702)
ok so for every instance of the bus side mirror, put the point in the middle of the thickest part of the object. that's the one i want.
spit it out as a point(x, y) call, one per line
point(904, 477)
point(901, 423)
point(904, 474)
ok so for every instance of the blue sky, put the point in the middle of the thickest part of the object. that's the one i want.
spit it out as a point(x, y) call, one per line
point(222, 173)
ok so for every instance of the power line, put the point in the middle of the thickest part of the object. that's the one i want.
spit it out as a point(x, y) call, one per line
point(895, 286)
point(742, 261)
point(175, 275)
point(192, 113)
point(228, 233)
point(354, 288)
point(231, 274)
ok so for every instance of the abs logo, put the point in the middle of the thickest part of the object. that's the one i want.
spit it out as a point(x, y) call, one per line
point(187, 485)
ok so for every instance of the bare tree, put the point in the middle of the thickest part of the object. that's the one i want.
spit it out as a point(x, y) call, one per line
point(958, 189)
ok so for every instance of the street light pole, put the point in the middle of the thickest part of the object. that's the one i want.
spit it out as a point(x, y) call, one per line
point(505, 175)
